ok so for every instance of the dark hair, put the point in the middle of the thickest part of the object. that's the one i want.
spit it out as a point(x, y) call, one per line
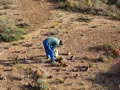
point(61, 42)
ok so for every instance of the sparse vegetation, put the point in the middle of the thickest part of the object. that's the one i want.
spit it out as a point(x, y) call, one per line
point(106, 47)
point(6, 2)
point(42, 84)
point(9, 32)
point(15, 59)
point(98, 7)
point(92, 78)
point(103, 59)
point(61, 80)
point(90, 65)
point(83, 19)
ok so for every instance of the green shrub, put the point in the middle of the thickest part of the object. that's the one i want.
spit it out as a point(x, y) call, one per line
point(86, 4)
point(61, 80)
point(43, 85)
point(71, 5)
point(78, 5)
point(97, 7)
point(103, 59)
point(92, 78)
point(109, 47)
point(9, 32)
point(118, 15)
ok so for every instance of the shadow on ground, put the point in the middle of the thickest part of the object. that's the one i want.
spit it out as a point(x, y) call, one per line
point(109, 80)
point(54, 1)
point(26, 60)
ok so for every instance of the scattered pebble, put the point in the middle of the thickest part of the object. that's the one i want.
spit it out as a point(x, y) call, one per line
point(50, 76)
point(83, 68)
point(68, 53)
point(2, 77)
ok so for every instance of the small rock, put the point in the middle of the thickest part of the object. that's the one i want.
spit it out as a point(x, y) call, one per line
point(6, 47)
point(50, 76)
point(76, 75)
point(35, 37)
point(25, 58)
point(62, 61)
point(67, 73)
point(68, 53)
point(75, 70)
point(83, 68)
point(33, 58)
point(28, 45)
point(28, 85)
point(16, 51)
point(24, 51)
point(59, 59)
point(2, 77)
point(64, 64)
point(9, 88)
point(72, 57)
point(116, 52)
point(65, 77)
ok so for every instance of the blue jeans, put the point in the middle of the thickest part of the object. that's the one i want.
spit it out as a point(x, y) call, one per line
point(49, 51)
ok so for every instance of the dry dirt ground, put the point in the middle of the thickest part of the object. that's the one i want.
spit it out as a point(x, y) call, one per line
point(78, 38)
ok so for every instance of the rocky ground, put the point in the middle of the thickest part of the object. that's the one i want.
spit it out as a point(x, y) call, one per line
point(81, 34)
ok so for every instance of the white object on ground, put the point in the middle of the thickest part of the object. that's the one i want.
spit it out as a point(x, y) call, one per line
point(56, 52)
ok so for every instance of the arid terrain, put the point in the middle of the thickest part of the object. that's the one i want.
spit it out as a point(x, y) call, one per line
point(82, 34)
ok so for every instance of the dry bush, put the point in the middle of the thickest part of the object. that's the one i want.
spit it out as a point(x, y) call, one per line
point(6, 2)
point(97, 7)
point(9, 31)
point(84, 5)
point(43, 85)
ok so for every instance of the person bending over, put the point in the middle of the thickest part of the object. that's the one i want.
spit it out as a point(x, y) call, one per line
point(50, 44)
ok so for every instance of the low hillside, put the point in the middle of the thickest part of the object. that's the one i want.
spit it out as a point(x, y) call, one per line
point(98, 7)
